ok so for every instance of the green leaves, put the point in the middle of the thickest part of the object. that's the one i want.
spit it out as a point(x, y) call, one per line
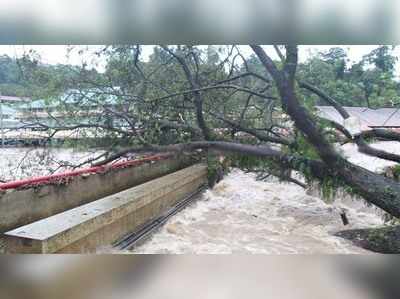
point(369, 82)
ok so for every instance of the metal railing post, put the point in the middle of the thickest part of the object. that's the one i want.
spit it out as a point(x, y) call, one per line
point(1, 121)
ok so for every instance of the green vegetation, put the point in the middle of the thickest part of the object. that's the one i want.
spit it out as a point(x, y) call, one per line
point(370, 82)
point(194, 97)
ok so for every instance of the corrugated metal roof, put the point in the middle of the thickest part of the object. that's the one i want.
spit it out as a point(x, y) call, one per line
point(82, 98)
point(13, 99)
point(8, 111)
point(382, 117)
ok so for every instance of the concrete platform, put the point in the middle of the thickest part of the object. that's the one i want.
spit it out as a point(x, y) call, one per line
point(24, 206)
point(85, 228)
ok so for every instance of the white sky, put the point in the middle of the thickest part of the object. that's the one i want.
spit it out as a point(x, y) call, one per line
point(53, 54)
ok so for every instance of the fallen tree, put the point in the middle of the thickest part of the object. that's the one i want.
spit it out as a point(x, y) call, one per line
point(382, 240)
point(231, 107)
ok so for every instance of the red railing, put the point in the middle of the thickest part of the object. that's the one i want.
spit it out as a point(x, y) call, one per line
point(96, 169)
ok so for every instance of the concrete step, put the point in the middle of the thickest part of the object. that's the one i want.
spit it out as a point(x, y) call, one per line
point(99, 223)
point(24, 206)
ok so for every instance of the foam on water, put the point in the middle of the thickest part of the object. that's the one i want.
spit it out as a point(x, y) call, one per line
point(243, 215)
point(371, 163)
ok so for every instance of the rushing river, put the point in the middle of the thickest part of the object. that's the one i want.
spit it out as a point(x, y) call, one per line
point(244, 215)
point(21, 162)
point(240, 215)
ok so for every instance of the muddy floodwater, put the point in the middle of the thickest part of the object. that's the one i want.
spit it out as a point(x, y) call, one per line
point(21, 162)
point(244, 215)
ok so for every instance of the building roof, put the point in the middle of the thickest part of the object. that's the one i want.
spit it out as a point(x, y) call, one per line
point(382, 117)
point(89, 97)
point(12, 99)
point(8, 111)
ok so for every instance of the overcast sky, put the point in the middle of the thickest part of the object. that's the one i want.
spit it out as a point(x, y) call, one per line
point(53, 54)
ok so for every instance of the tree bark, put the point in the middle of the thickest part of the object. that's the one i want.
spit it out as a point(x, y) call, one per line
point(376, 189)
point(382, 240)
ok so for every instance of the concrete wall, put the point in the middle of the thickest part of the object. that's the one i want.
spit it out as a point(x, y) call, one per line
point(104, 221)
point(129, 223)
point(21, 207)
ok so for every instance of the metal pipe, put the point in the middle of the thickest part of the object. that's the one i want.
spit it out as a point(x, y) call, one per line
point(133, 239)
point(96, 169)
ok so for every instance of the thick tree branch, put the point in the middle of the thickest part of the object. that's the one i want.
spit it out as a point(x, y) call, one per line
point(290, 65)
point(178, 126)
point(226, 86)
point(266, 61)
point(363, 147)
point(325, 97)
point(198, 101)
point(291, 105)
point(377, 189)
point(266, 80)
point(317, 168)
point(259, 135)
point(382, 134)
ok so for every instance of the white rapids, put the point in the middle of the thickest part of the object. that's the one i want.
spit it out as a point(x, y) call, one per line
point(243, 215)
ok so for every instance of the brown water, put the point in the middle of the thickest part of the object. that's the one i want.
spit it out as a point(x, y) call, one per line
point(243, 215)
point(21, 162)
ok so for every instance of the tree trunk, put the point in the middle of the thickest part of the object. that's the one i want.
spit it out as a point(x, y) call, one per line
point(376, 189)
point(382, 240)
